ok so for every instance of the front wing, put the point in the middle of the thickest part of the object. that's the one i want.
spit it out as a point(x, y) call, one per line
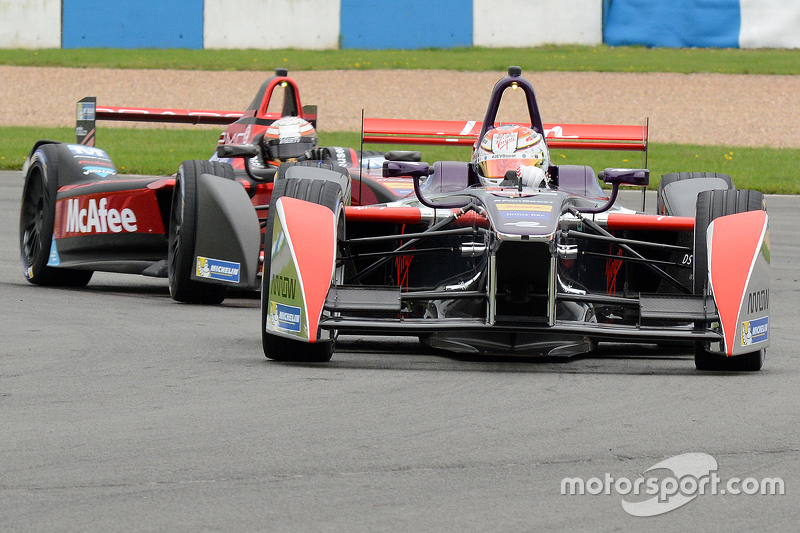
point(693, 318)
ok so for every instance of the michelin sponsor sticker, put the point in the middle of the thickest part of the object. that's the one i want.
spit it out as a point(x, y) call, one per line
point(285, 316)
point(217, 269)
point(754, 331)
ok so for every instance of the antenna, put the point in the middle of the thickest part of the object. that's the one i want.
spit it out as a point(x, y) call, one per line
point(646, 144)
point(361, 158)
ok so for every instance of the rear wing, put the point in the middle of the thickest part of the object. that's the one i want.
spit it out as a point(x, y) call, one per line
point(89, 113)
point(453, 132)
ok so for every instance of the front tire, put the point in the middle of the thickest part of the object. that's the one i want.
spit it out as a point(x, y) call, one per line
point(713, 204)
point(36, 222)
point(277, 348)
point(183, 233)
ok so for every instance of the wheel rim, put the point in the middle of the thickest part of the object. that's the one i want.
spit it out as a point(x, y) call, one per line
point(32, 220)
point(176, 216)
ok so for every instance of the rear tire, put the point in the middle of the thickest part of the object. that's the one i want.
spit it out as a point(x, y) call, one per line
point(36, 222)
point(711, 205)
point(183, 233)
point(277, 348)
point(672, 177)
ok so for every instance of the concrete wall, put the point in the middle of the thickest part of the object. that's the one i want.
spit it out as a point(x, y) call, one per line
point(30, 24)
point(770, 24)
point(500, 23)
point(267, 24)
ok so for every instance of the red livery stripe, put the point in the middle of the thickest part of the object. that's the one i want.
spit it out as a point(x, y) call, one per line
point(622, 221)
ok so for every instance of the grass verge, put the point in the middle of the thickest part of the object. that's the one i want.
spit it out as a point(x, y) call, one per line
point(572, 58)
point(160, 151)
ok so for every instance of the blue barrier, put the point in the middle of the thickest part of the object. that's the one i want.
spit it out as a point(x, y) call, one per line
point(672, 23)
point(125, 24)
point(408, 25)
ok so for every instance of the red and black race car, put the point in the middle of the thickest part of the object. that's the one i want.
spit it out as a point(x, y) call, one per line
point(511, 254)
point(78, 215)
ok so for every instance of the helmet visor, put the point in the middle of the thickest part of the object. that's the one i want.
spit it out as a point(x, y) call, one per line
point(497, 168)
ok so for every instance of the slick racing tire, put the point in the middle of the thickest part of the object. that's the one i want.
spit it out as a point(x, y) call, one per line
point(318, 191)
point(672, 177)
point(711, 205)
point(36, 222)
point(183, 232)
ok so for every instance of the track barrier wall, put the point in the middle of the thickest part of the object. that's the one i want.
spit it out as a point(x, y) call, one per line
point(411, 24)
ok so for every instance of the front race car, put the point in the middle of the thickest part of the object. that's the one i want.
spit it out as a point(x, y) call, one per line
point(531, 272)
point(549, 269)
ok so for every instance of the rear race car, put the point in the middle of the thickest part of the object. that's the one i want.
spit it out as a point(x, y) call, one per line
point(78, 215)
point(513, 268)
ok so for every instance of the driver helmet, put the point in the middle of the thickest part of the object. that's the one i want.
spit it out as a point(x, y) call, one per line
point(288, 139)
point(511, 147)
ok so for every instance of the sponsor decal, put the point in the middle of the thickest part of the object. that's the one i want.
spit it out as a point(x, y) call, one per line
point(504, 143)
point(755, 331)
point(557, 132)
point(341, 156)
point(217, 269)
point(86, 111)
point(100, 171)
point(523, 224)
point(399, 186)
point(285, 317)
point(758, 301)
point(283, 286)
point(96, 217)
point(541, 208)
point(467, 127)
point(80, 150)
point(523, 210)
point(288, 140)
point(235, 138)
point(53, 259)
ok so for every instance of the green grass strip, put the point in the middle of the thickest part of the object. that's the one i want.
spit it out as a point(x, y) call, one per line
point(573, 58)
point(160, 151)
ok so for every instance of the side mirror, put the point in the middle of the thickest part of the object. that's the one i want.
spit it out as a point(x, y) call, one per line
point(416, 171)
point(410, 169)
point(237, 150)
point(639, 177)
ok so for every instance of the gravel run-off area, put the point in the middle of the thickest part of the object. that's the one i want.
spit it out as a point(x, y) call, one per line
point(711, 109)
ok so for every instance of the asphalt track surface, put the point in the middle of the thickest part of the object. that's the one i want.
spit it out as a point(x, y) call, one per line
point(121, 410)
